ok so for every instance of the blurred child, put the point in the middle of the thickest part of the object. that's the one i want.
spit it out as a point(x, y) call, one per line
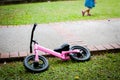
point(89, 4)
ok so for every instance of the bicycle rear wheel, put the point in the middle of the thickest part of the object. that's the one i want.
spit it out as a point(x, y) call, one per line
point(83, 55)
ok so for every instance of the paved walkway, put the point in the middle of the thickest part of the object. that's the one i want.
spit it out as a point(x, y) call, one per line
point(88, 33)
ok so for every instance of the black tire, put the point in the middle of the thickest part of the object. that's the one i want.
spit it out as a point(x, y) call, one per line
point(84, 54)
point(35, 67)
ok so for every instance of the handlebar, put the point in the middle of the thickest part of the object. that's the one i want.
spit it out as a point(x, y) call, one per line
point(32, 33)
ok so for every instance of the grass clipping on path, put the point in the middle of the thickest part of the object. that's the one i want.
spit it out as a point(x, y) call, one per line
point(59, 11)
point(101, 67)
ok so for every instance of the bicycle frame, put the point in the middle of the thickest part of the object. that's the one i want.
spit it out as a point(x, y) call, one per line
point(63, 55)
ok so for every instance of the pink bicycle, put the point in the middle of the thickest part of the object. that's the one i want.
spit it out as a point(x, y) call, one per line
point(38, 63)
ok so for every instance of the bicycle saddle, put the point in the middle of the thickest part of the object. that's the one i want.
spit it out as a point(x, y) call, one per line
point(64, 47)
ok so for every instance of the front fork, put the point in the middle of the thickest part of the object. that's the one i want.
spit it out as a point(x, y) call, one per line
point(36, 55)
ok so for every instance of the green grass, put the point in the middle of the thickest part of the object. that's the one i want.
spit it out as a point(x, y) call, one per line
point(56, 12)
point(100, 67)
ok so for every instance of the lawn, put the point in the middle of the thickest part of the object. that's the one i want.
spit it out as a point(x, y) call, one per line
point(60, 11)
point(100, 67)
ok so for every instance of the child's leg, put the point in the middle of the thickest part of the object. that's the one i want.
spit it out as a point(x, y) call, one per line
point(86, 11)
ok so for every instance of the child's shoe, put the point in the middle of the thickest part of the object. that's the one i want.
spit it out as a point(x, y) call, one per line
point(89, 15)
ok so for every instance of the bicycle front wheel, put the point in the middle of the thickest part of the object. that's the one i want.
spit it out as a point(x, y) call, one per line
point(32, 66)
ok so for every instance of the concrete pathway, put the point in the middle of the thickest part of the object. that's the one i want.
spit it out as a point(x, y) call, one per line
point(52, 35)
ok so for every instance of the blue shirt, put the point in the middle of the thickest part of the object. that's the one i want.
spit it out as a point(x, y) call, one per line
point(89, 3)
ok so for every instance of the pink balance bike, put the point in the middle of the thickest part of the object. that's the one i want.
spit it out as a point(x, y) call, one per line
point(38, 63)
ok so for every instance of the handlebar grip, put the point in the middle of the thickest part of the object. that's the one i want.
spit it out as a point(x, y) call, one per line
point(34, 27)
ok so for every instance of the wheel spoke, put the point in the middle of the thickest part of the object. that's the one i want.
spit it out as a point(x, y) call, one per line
point(41, 65)
point(83, 55)
point(32, 65)
point(81, 51)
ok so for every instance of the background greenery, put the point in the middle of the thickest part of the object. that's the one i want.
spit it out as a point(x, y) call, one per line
point(5, 2)
point(59, 11)
point(100, 67)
